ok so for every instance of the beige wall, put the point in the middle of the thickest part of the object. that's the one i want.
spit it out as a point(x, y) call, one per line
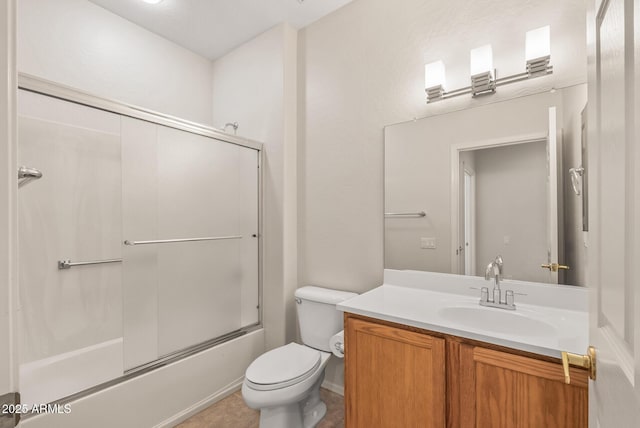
point(255, 85)
point(362, 68)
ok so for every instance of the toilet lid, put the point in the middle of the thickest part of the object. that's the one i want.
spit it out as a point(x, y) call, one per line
point(287, 364)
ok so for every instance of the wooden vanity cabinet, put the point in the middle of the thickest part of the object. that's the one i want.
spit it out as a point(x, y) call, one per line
point(393, 377)
point(399, 376)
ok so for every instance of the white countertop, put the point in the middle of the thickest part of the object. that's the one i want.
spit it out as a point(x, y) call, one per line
point(547, 320)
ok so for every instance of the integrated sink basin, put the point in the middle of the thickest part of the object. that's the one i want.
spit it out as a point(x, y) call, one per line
point(548, 319)
point(497, 321)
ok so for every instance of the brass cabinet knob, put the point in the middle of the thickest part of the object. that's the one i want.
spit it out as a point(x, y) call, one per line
point(587, 361)
point(553, 267)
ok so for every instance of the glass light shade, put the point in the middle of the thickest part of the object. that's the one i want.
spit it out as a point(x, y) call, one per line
point(481, 60)
point(538, 43)
point(434, 74)
point(152, 1)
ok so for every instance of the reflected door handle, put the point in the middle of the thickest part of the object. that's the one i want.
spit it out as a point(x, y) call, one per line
point(587, 361)
point(553, 267)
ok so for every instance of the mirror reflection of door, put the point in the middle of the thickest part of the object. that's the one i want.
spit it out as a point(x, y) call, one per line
point(509, 214)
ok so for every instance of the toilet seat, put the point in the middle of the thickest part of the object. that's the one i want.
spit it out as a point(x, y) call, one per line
point(282, 367)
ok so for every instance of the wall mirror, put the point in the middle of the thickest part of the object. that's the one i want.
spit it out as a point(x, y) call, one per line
point(507, 178)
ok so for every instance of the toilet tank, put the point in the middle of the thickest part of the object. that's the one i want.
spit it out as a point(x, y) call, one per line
point(318, 317)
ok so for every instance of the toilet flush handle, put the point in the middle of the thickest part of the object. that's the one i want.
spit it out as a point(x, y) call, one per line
point(298, 300)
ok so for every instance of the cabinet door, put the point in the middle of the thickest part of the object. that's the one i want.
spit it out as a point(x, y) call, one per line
point(394, 378)
point(515, 391)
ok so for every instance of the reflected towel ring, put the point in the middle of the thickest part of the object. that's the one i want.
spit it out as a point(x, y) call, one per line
point(576, 174)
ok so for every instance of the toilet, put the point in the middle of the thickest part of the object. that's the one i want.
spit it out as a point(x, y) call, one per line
point(284, 383)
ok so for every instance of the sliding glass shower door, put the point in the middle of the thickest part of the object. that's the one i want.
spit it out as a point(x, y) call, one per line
point(190, 208)
point(138, 243)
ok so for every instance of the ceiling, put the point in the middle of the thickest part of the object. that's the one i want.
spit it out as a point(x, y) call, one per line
point(212, 28)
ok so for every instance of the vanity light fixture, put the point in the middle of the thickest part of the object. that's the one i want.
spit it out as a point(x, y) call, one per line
point(538, 50)
point(484, 78)
point(482, 72)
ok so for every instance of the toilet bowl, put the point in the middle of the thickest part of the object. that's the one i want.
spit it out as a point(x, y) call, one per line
point(284, 383)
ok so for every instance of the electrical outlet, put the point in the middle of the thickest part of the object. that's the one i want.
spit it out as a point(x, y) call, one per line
point(428, 243)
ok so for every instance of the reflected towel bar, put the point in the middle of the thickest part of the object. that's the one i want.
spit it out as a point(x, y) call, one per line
point(418, 214)
point(170, 241)
point(68, 264)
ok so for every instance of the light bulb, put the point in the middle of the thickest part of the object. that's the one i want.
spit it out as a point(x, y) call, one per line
point(538, 43)
point(434, 75)
point(481, 60)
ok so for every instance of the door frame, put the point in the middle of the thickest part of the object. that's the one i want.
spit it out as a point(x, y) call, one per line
point(469, 245)
point(8, 199)
point(455, 178)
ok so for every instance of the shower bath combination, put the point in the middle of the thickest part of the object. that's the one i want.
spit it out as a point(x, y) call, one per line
point(186, 278)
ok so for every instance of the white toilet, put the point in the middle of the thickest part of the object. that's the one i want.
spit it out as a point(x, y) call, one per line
point(284, 383)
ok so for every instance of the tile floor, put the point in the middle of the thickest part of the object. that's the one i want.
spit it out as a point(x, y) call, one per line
point(233, 413)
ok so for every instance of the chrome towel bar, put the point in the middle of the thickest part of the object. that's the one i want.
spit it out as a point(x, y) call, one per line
point(68, 264)
point(418, 214)
point(171, 241)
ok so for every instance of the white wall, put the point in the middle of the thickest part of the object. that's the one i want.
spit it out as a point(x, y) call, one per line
point(255, 85)
point(361, 68)
point(79, 44)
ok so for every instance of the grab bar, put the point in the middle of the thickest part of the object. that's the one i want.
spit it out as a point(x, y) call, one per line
point(171, 241)
point(68, 264)
point(418, 214)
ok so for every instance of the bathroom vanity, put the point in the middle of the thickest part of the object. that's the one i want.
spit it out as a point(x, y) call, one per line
point(421, 352)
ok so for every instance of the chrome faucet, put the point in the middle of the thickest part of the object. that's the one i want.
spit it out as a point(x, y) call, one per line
point(494, 270)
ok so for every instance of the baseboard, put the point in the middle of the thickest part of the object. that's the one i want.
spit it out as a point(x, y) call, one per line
point(333, 387)
point(202, 404)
